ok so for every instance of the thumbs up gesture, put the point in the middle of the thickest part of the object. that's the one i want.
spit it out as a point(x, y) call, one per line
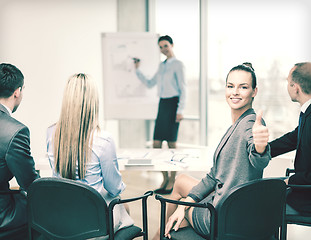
point(260, 134)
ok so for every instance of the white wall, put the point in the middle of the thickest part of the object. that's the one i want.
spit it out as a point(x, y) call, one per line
point(49, 40)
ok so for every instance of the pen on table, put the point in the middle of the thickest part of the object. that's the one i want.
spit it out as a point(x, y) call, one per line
point(183, 156)
point(178, 163)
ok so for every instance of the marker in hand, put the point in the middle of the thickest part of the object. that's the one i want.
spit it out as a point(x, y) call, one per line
point(260, 134)
point(136, 62)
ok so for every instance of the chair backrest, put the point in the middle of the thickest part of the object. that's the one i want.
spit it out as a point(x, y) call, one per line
point(66, 209)
point(253, 210)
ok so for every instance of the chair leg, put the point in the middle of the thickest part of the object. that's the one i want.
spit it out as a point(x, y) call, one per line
point(145, 219)
point(284, 231)
point(277, 235)
point(162, 220)
point(284, 224)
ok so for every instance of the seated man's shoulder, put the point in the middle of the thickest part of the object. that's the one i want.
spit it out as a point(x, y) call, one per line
point(11, 126)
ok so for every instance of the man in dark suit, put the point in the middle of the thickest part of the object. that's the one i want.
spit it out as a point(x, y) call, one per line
point(15, 158)
point(299, 89)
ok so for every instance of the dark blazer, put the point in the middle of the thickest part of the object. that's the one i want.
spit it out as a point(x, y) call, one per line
point(300, 200)
point(15, 161)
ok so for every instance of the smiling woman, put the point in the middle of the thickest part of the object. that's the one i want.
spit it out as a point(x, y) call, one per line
point(243, 148)
point(240, 89)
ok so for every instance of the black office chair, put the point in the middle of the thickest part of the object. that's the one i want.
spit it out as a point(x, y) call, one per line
point(16, 233)
point(67, 209)
point(253, 210)
point(303, 219)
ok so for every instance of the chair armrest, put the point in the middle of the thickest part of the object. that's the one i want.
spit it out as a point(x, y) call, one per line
point(295, 186)
point(163, 202)
point(191, 204)
point(119, 201)
point(290, 187)
point(11, 191)
point(299, 186)
point(289, 171)
point(143, 198)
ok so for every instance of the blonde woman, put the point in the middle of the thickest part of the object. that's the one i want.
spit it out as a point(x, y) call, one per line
point(78, 149)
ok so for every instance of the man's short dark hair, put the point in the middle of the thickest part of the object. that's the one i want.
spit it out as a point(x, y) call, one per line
point(11, 78)
point(302, 76)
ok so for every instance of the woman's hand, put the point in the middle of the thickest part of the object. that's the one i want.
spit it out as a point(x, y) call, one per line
point(260, 134)
point(179, 117)
point(177, 217)
point(136, 62)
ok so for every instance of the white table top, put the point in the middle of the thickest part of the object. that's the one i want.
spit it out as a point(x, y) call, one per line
point(192, 159)
point(151, 159)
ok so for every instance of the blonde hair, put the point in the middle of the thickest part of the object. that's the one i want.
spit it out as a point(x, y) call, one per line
point(77, 123)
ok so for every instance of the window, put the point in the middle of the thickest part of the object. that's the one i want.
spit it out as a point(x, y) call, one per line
point(180, 20)
point(273, 36)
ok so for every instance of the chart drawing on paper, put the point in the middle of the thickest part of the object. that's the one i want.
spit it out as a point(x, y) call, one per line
point(125, 96)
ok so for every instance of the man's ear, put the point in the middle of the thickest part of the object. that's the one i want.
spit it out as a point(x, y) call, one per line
point(17, 92)
point(297, 88)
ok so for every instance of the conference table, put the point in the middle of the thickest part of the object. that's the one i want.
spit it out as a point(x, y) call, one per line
point(181, 159)
point(187, 159)
point(148, 159)
point(152, 159)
